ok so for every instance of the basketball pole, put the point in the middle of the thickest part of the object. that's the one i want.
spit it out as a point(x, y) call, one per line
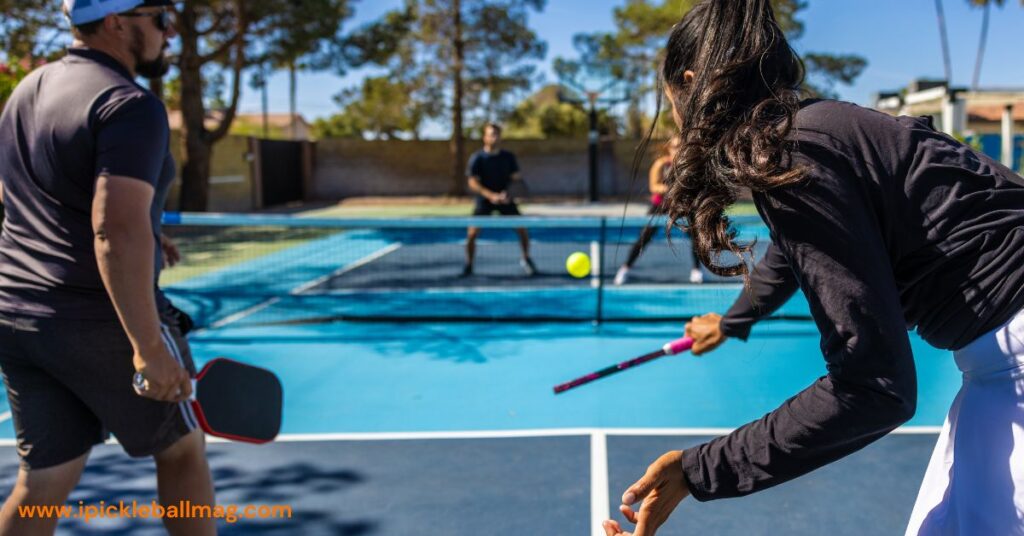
point(594, 137)
point(593, 96)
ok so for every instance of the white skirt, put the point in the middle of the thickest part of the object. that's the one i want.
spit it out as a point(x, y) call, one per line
point(974, 484)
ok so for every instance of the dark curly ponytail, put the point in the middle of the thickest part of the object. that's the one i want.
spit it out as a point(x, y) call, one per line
point(734, 113)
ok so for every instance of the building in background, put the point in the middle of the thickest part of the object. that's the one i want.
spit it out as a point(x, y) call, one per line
point(991, 120)
point(279, 126)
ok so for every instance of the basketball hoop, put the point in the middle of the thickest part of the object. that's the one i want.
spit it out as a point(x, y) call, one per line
point(598, 82)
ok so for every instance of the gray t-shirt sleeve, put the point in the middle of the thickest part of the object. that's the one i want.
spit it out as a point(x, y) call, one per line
point(132, 137)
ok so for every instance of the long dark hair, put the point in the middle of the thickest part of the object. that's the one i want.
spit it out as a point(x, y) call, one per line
point(735, 115)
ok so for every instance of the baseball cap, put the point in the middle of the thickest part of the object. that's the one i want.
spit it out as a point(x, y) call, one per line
point(86, 11)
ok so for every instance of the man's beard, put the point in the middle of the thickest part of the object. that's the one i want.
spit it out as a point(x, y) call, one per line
point(151, 69)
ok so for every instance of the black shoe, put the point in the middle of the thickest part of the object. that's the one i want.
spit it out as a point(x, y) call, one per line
point(467, 270)
point(528, 267)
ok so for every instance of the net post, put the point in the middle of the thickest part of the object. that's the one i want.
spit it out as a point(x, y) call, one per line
point(598, 318)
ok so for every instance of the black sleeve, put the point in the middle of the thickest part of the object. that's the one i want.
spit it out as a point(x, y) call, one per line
point(472, 167)
point(514, 163)
point(834, 243)
point(132, 137)
point(772, 284)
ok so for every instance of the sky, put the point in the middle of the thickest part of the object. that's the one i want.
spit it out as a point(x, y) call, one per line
point(899, 39)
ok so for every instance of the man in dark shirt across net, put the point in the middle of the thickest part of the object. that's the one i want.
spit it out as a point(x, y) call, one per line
point(491, 172)
point(85, 167)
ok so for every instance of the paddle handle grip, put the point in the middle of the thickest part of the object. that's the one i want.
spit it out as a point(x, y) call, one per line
point(681, 344)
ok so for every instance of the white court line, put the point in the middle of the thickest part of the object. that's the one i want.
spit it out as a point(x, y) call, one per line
point(241, 314)
point(5, 416)
point(513, 434)
point(599, 509)
point(348, 268)
point(304, 287)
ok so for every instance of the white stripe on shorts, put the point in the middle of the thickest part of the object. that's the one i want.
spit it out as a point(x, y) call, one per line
point(185, 406)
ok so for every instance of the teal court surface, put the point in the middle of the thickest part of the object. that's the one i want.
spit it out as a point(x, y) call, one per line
point(420, 401)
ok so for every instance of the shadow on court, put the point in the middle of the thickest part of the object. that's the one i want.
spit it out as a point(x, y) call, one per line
point(512, 486)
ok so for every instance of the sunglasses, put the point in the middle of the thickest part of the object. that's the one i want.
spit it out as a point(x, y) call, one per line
point(162, 19)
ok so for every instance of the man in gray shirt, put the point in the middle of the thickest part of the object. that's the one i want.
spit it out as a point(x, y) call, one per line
point(85, 169)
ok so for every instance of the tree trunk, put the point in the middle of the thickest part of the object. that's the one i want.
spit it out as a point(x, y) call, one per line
point(265, 105)
point(458, 143)
point(199, 141)
point(195, 173)
point(635, 120)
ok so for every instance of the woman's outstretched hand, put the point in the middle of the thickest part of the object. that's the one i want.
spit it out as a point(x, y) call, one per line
point(659, 492)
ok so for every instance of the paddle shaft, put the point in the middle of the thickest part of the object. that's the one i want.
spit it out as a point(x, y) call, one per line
point(674, 347)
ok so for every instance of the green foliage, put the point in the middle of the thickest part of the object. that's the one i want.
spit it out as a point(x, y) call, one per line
point(32, 29)
point(385, 41)
point(973, 141)
point(499, 46)
point(12, 72)
point(255, 129)
point(543, 115)
point(641, 29)
point(829, 70)
point(337, 126)
point(305, 34)
point(381, 108)
point(416, 47)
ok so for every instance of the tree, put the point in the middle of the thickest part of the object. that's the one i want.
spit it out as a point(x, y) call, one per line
point(462, 59)
point(32, 29)
point(213, 36)
point(338, 126)
point(832, 69)
point(545, 115)
point(218, 40)
point(985, 5)
point(306, 39)
point(12, 72)
point(382, 108)
point(641, 30)
point(944, 40)
point(223, 38)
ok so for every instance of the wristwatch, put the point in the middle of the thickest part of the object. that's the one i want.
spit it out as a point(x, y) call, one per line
point(139, 383)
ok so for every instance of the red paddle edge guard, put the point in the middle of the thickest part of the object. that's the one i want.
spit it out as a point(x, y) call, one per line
point(205, 425)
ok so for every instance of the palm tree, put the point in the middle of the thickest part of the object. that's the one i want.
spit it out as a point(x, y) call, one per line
point(986, 5)
point(981, 47)
point(945, 41)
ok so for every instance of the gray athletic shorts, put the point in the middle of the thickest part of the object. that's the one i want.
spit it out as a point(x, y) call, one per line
point(69, 383)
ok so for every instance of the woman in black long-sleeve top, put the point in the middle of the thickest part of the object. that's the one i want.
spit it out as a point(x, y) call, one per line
point(885, 225)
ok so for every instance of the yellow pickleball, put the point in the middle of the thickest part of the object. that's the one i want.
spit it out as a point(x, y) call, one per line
point(578, 265)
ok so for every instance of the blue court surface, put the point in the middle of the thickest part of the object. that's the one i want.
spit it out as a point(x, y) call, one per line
point(401, 428)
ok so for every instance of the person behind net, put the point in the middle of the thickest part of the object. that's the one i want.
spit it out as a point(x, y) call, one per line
point(660, 172)
point(886, 225)
point(88, 345)
point(491, 171)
